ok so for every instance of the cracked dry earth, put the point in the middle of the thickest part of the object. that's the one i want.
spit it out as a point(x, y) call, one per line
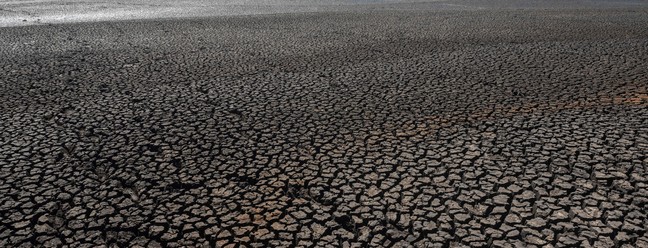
point(419, 128)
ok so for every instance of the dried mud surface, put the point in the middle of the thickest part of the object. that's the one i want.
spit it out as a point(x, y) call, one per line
point(447, 128)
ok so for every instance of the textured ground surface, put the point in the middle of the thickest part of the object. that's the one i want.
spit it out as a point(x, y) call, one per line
point(478, 128)
point(36, 12)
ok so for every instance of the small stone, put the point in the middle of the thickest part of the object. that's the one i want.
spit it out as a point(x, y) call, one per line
point(513, 218)
point(462, 217)
point(318, 229)
point(535, 240)
point(43, 219)
point(169, 235)
point(373, 191)
point(604, 241)
point(537, 222)
point(623, 185)
point(559, 215)
point(156, 229)
point(501, 199)
point(568, 240)
point(622, 237)
point(278, 226)
point(21, 224)
point(64, 196)
point(106, 211)
point(43, 228)
point(55, 242)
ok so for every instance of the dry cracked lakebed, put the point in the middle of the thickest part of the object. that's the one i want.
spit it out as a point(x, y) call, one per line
point(502, 128)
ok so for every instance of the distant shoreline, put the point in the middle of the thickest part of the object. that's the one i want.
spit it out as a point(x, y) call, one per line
point(14, 13)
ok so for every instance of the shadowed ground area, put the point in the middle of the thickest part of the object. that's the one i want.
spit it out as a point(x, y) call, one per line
point(423, 128)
